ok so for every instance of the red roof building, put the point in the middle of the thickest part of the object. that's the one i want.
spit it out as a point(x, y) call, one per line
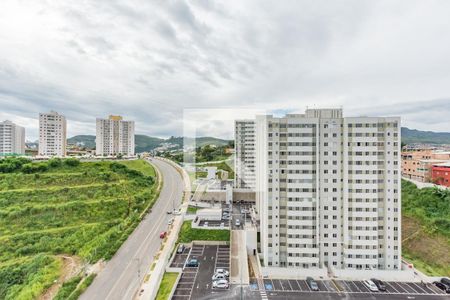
point(440, 174)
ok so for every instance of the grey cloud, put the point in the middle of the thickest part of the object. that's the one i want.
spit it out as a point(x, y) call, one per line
point(148, 60)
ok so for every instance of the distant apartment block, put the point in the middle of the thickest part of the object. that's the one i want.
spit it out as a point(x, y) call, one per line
point(244, 163)
point(12, 139)
point(52, 134)
point(417, 165)
point(328, 190)
point(114, 136)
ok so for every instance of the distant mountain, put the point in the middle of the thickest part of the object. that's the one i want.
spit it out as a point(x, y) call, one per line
point(411, 136)
point(147, 143)
point(87, 141)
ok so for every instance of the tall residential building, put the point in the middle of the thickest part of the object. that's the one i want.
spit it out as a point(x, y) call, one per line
point(12, 138)
point(114, 136)
point(52, 134)
point(244, 162)
point(328, 190)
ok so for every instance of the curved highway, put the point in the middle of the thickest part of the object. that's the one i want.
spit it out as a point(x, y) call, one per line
point(122, 275)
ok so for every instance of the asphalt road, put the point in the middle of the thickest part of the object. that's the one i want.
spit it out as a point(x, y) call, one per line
point(121, 277)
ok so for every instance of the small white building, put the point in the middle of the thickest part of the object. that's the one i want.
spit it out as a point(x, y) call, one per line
point(211, 172)
point(210, 214)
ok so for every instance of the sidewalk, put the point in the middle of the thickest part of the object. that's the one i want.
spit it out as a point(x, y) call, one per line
point(239, 263)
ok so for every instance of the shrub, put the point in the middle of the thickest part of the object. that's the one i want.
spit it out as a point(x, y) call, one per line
point(72, 162)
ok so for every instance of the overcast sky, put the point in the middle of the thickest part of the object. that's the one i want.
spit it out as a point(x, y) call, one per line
point(150, 60)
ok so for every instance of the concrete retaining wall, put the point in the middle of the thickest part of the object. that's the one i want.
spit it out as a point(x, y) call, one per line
point(293, 273)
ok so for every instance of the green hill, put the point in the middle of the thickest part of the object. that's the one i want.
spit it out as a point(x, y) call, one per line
point(411, 136)
point(147, 143)
point(87, 141)
point(84, 210)
point(426, 228)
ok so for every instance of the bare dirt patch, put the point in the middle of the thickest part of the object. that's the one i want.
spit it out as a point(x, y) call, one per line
point(71, 266)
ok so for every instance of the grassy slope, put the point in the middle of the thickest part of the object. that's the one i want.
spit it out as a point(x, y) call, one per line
point(140, 165)
point(167, 283)
point(59, 211)
point(426, 236)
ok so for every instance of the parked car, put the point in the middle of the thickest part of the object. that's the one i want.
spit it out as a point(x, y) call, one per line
point(218, 276)
point(205, 224)
point(380, 284)
point(176, 212)
point(193, 262)
point(446, 281)
point(312, 284)
point(170, 222)
point(222, 271)
point(162, 235)
point(370, 285)
point(238, 223)
point(220, 284)
point(226, 210)
point(169, 212)
point(442, 286)
point(180, 249)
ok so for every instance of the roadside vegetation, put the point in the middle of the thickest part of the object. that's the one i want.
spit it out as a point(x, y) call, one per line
point(189, 234)
point(167, 283)
point(65, 207)
point(426, 228)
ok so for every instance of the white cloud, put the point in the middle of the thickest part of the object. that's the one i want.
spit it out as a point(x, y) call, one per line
point(149, 60)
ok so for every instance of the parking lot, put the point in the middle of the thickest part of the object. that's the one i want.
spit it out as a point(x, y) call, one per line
point(347, 287)
point(195, 283)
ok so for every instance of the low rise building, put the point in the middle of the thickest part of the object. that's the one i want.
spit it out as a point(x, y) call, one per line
point(417, 165)
point(440, 174)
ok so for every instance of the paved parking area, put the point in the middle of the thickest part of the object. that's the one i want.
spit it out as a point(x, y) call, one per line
point(346, 287)
point(196, 283)
point(180, 259)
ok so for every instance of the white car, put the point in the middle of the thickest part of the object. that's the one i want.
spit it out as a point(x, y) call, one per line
point(219, 277)
point(238, 223)
point(370, 285)
point(170, 222)
point(220, 284)
point(222, 271)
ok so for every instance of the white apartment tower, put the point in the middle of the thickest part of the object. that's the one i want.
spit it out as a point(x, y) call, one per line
point(12, 139)
point(52, 134)
point(328, 190)
point(114, 136)
point(244, 162)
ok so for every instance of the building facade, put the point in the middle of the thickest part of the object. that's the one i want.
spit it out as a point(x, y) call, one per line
point(328, 190)
point(417, 165)
point(244, 162)
point(52, 134)
point(12, 139)
point(114, 136)
point(441, 174)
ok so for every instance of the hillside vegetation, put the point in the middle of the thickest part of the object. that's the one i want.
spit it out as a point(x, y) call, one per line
point(65, 207)
point(410, 136)
point(426, 228)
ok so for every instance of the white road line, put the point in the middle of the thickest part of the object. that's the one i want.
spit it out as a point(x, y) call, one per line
point(400, 287)
point(323, 282)
point(355, 286)
point(290, 285)
point(151, 233)
point(392, 286)
point(419, 287)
